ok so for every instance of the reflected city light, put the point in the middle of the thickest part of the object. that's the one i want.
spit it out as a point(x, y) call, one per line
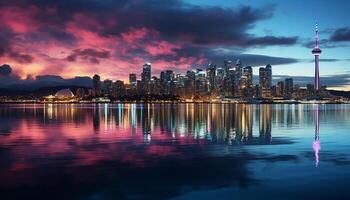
point(316, 144)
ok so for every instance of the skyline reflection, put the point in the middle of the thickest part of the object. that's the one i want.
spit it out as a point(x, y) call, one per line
point(108, 150)
point(218, 123)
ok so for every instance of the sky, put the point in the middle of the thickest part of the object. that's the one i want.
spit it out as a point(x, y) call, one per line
point(77, 38)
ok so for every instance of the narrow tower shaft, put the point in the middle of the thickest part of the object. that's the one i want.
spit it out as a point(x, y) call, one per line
point(317, 73)
point(316, 52)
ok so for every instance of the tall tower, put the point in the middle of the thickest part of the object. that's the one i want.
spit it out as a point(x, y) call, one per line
point(317, 51)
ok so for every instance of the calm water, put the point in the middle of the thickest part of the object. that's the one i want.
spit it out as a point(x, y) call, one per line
point(181, 151)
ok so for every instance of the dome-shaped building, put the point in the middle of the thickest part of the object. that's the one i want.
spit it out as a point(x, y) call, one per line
point(64, 93)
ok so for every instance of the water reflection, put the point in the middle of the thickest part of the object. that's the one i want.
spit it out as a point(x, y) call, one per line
point(316, 144)
point(214, 123)
point(161, 151)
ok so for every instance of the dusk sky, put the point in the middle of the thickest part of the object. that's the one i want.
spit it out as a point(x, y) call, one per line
point(114, 38)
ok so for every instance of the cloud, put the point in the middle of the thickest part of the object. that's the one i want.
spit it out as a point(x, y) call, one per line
point(5, 70)
point(272, 40)
point(20, 58)
point(324, 43)
point(341, 35)
point(338, 38)
point(121, 35)
point(88, 54)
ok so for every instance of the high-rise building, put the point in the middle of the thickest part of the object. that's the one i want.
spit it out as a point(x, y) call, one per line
point(238, 68)
point(280, 89)
point(227, 65)
point(119, 88)
point(237, 76)
point(190, 83)
point(107, 87)
point(246, 83)
point(162, 77)
point(268, 75)
point(265, 81)
point(219, 79)
point(169, 76)
point(133, 80)
point(96, 85)
point(146, 77)
point(316, 52)
point(201, 84)
point(248, 73)
point(211, 74)
point(288, 88)
point(146, 73)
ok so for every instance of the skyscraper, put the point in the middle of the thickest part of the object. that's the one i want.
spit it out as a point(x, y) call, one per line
point(248, 73)
point(211, 74)
point(96, 84)
point(228, 65)
point(316, 52)
point(133, 80)
point(169, 76)
point(288, 88)
point(280, 89)
point(238, 68)
point(268, 75)
point(146, 73)
point(265, 79)
point(146, 77)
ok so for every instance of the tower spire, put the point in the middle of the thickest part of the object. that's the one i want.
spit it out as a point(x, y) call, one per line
point(316, 37)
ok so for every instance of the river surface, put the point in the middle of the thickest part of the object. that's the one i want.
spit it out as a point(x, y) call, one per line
point(174, 151)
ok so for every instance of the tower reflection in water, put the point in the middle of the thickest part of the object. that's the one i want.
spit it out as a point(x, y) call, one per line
point(316, 144)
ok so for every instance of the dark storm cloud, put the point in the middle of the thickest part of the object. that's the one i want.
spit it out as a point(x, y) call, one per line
point(6, 35)
point(20, 58)
point(91, 55)
point(173, 31)
point(57, 33)
point(5, 70)
point(341, 35)
point(271, 40)
point(259, 60)
point(324, 43)
point(338, 38)
point(174, 20)
point(217, 56)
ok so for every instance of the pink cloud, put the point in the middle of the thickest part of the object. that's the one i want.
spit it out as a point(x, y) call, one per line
point(162, 48)
point(19, 20)
point(135, 35)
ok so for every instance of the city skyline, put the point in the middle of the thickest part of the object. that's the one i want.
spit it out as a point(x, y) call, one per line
point(40, 39)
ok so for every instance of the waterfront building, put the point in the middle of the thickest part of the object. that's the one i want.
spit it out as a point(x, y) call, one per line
point(265, 74)
point(133, 80)
point(96, 85)
point(211, 74)
point(146, 78)
point(107, 87)
point(280, 89)
point(288, 88)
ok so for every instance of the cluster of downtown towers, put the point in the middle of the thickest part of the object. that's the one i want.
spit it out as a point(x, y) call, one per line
point(230, 80)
